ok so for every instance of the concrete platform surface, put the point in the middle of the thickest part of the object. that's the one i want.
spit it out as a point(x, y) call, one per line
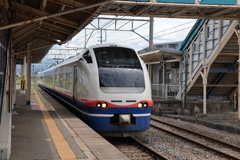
point(32, 137)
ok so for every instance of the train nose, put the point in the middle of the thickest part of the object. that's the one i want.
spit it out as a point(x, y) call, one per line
point(124, 119)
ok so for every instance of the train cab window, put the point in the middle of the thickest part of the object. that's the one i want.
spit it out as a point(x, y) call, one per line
point(117, 57)
point(87, 57)
point(119, 67)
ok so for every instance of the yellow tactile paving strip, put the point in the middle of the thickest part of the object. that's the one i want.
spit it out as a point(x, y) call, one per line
point(63, 148)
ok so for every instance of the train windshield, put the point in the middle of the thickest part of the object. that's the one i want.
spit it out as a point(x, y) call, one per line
point(119, 67)
point(117, 57)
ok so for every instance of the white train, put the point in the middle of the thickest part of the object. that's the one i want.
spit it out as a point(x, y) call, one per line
point(108, 84)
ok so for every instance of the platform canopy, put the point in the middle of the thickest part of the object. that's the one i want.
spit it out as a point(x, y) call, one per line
point(194, 9)
point(166, 54)
point(36, 25)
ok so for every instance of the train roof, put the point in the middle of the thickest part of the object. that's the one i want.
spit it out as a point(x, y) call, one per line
point(71, 60)
point(109, 45)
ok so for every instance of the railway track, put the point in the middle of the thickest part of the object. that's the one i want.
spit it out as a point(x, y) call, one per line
point(220, 147)
point(135, 150)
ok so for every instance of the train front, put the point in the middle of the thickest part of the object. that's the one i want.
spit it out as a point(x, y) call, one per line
point(124, 93)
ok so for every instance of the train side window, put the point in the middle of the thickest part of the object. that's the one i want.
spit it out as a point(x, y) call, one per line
point(51, 79)
point(64, 80)
point(87, 57)
point(61, 80)
point(69, 82)
point(56, 80)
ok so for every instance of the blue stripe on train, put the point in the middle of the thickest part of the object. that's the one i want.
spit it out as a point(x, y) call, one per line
point(103, 124)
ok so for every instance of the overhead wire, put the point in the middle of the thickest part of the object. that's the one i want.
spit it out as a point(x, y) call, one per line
point(106, 24)
point(163, 35)
point(111, 22)
point(90, 33)
point(158, 32)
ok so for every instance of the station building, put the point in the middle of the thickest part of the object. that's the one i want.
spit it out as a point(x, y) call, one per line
point(200, 71)
point(164, 66)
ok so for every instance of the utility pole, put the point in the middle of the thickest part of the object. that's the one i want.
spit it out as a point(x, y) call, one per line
point(151, 33)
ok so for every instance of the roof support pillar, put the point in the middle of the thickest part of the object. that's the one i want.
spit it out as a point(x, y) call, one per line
point(238, 35)
point(29, 60)
point(164, 72)
point(239, 77)
point(7, 91)
point(185, 80)
point(14, 67)
point(179, 77)
point(6, 115)
point(204, 75)
point(23, 75)
point(164, 91)
point(204, 90)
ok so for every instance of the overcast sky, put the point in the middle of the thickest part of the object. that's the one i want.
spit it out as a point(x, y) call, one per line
point(165, 30)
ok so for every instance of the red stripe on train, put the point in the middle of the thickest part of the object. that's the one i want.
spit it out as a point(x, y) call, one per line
point(92, 103)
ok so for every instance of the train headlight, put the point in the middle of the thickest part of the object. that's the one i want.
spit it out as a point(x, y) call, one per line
point(99, 105)
point(104, 105)
point(142, 105)
point(145, 105)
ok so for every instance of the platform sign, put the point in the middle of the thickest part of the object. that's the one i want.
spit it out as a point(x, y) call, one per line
point(19, 61)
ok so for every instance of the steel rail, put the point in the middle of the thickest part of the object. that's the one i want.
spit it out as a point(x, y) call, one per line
point(148, 150)
point(200, 135)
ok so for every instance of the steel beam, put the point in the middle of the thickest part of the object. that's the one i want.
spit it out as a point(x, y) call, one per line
point(54, 15)
point(224, 70)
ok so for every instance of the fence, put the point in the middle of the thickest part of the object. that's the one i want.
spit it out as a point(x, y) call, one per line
point(165, 91)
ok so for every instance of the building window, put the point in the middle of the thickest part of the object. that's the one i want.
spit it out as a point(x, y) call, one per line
point(172, 46)
point(209, 32)
point(195, 47)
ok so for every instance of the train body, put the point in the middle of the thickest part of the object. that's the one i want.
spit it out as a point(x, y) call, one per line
point(108, 84)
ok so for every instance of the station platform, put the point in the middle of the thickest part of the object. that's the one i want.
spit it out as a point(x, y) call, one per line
point(224, 122)
point(47, 130)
